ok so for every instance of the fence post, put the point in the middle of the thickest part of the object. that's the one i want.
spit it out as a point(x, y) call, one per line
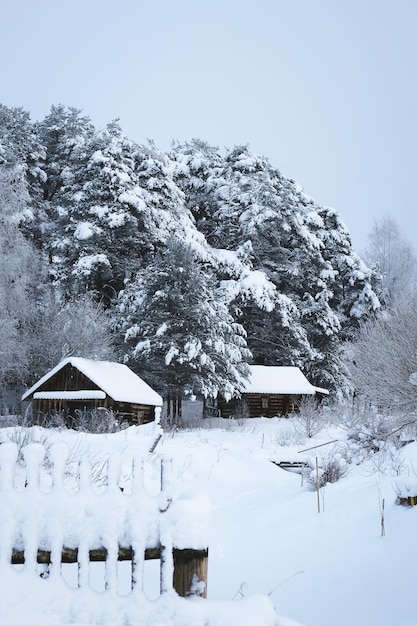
point(190, 572)
point(166, 559)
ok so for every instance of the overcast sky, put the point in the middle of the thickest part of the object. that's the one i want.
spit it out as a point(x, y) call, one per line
point(326, 89)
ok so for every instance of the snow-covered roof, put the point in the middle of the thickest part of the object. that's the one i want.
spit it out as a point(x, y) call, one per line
point(279, 380)
point(82, 394)
point(115, 379)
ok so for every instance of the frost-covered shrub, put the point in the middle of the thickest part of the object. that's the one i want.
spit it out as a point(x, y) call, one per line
point(241, 412)
point(369, 428)
point(311, 417)
point(98, 421)
point(386, 459)
point(389, 460)
point(21, 436)
point(54, 419)
point(375, 430)
point(7, 420)
point(288, 434)
point(331, 468)
point(408, 433)
point(352, 413)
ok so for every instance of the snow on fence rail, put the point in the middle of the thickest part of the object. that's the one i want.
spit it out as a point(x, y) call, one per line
point(49, 523)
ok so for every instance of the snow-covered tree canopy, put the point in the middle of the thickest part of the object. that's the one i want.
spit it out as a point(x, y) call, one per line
point(273, 269)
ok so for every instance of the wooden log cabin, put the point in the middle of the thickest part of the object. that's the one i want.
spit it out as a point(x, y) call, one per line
point(272, 391)
point(78, 384)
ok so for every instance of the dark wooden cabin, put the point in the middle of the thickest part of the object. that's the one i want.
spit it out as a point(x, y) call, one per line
point(272, 391)
point(78, 384)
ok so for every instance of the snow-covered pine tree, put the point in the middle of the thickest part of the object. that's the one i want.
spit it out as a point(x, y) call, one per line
point(268, 222)
point(196, 162)
point(338, 294)
point(63, 131)
point(258, 214)
point(116, 205)
point(20, 145)
point(166, 213)
point(179, 333)
point(22, 152)
point(201, 173)
point(352, 284)
point(98, 238)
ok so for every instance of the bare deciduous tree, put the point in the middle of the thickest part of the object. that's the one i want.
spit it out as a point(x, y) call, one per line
point(18, 278)
point(77, 328)
point(395, 258)
point(384, 359)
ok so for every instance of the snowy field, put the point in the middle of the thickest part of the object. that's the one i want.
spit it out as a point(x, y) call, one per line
point(327, 568)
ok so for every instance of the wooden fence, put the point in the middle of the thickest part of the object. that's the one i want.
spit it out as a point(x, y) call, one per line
point(50, 517)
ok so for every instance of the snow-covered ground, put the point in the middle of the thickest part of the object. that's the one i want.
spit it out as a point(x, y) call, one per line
point(331, 568)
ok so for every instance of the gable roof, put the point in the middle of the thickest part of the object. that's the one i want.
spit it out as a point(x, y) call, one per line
point(270, 379)
point(116, 380)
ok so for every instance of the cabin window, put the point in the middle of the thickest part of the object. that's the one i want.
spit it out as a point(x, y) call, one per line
point(71, 380)
point(265, 403)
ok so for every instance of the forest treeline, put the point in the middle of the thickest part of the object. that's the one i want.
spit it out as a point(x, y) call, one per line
point(186, 264)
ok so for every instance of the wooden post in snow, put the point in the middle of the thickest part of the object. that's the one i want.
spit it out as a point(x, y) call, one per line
point(190, 572)
point(188, 566)
point(166, 558)
point(383, 518)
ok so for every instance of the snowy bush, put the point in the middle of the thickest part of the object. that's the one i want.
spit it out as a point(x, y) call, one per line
point(311, 418)
point(408, 433)
point(331, 468)
point(241, 412)
point(288, 434)
point(21, 436)
point(354, 412)
point(8, 419)
point(54, 419)
point(371, 432)
point(386, 459)
point(389, 460)
point(376, 429)
point(98, 421)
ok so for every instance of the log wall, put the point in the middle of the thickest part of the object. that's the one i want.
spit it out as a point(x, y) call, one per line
point(261, 405)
